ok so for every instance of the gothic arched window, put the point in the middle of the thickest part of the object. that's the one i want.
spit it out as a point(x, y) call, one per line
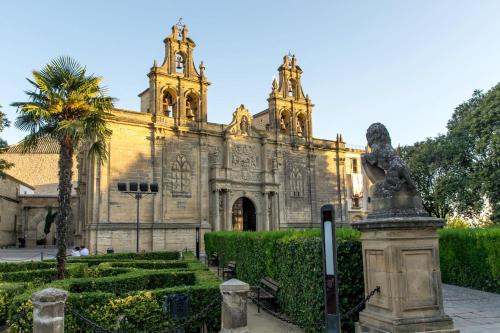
point(181, 177)
point(168, 104)
point(297, 183)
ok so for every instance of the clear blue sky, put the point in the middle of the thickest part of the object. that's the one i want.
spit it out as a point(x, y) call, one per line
point(407, 64)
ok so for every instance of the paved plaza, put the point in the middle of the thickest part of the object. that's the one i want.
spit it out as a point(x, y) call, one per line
point(473, 311)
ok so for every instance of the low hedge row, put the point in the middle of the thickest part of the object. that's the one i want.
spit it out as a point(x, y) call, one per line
point(121, 295)
point(294, 260)
point(124, 283)
point(165, 255)
point(471, 258)
point(43, 275)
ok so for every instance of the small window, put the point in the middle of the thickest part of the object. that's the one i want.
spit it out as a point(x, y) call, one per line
point(354, 163)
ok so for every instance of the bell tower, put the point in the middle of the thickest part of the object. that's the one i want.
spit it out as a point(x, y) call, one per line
point(177, 89)
point(289, 109)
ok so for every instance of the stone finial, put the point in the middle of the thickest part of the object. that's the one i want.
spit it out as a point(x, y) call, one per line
point(294, 61)
point(48, 310)
point(234, 306)
point(274, 85)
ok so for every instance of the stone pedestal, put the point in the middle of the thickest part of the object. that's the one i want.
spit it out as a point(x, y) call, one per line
point(48, 310)
point(234, 306)
point(401, 255)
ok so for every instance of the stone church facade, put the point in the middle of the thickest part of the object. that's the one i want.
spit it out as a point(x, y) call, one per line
point(262, 171)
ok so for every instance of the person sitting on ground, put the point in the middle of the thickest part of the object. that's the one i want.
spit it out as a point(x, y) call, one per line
point(84, 251)
point(76, 252)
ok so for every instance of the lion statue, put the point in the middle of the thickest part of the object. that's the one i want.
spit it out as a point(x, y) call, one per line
point(385, 169)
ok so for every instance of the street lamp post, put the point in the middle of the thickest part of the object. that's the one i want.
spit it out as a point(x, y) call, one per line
point(138, 191)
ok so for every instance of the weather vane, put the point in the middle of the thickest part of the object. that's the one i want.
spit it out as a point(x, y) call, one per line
point(179, 23)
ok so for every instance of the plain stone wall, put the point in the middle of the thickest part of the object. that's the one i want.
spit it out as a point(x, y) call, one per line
point(8, 211)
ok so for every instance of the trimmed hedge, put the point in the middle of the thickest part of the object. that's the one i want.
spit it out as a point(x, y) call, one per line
point(119, 294)
point(293, 259)
point(124, 283)
point(166, 255)
point(471, 258)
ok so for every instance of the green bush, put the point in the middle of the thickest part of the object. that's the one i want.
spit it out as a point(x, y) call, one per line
point(26, 266)
point(166, 255)
point(294, 260)
point(124, 283)
point(150, 264)
point(471, 258)
point(125, 299)
point(42, 275)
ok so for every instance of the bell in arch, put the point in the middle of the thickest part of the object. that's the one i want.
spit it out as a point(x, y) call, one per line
point(189, 110)
point(282, 123)
point(299, 128)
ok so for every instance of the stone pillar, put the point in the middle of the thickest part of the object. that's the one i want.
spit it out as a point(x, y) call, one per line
point(234, 306)
point(48, 310)
point(228, 211)
point(275, 213)
point(215, 207)
point(265, 212)
point(401, 255)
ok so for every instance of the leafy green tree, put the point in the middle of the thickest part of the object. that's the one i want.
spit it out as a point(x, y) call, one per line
point(4, 123)
point(428, 165)
point(71, 107)
point(460, 172)
point(474, 131)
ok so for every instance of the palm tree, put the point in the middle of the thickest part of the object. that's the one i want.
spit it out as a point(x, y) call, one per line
point(72, 108)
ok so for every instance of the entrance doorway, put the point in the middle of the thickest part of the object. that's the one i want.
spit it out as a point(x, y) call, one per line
point(244, 217)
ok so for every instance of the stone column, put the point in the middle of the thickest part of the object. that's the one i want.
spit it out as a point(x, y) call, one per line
point(48, 310)
point(215, 206)
point(274, 211)
point(228, 211)
point(265, 212)
point(401, 255)
point(234, 306)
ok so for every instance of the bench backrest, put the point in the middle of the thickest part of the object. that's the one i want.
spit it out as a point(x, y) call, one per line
point(231, 264)
point(270, 283)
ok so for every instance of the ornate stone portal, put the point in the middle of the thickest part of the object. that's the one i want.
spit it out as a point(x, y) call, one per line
point(400, 248)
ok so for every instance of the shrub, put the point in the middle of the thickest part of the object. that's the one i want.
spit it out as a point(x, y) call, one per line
point(123, 283)
point(123, 294)
point(166, 255)
point(294, 260)
point(26, 266)
point(471, 258)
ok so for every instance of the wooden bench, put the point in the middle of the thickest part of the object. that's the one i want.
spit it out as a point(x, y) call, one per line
point(213, 260)
point(267, 291)
point(229, 270)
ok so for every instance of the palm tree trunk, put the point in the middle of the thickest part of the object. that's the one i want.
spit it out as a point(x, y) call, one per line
point(64, 215)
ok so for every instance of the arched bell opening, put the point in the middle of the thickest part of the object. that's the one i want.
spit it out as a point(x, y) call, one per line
point(301, 125)
point(244, 217)
point(180, 63)
point(192, 102)
point(285, 118)
point(168, 104)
